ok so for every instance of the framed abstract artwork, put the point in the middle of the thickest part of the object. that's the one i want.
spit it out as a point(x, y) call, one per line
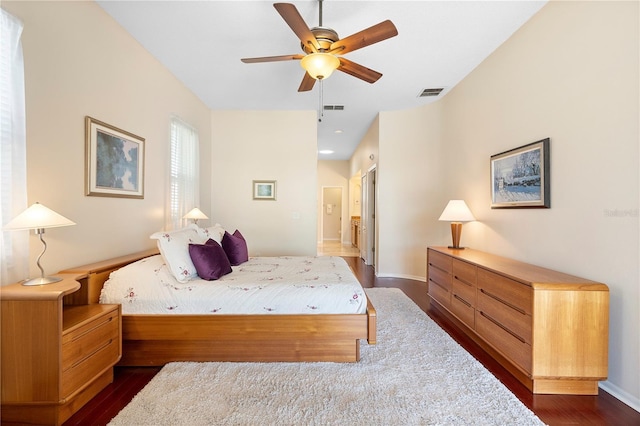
point(114, 161)
point(264, 189)
point(520, 177)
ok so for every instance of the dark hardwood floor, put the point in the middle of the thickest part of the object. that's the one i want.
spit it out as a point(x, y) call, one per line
point(602, 409)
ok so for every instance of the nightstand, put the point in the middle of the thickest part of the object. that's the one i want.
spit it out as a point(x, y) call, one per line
point(55, 356)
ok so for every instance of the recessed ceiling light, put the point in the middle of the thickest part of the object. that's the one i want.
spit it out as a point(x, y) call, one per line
point(338, 131)
point(325, 151)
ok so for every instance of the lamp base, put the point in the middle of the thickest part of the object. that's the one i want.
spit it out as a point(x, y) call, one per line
point(455, 248)
point(41, 281)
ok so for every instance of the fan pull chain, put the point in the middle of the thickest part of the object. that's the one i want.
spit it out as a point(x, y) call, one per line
point(320, 102)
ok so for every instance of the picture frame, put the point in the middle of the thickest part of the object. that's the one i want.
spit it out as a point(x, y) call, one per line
point(520, 177)
point(264, 189)
point(114, 161)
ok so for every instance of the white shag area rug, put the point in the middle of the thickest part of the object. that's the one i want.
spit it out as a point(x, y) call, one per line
point(415, 375)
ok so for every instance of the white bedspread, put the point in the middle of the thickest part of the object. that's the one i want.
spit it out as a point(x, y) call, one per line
point(263, 285)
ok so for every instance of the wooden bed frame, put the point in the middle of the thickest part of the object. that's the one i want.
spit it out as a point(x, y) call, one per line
point(149, 340)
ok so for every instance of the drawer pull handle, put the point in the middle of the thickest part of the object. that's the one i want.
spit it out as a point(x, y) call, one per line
point(504, 302)
point(462, 300)
point(463, 281)
point(502, 327)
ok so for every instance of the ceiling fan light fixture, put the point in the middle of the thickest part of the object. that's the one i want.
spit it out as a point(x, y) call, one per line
point(320, 65)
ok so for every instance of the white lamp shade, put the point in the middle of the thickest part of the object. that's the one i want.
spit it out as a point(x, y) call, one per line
point(457, 211)
point(320, 65)
point(195, 214)
point(37, 217)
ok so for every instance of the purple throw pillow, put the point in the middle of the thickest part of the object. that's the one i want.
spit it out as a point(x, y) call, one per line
point(235, 247)
point(210, 260)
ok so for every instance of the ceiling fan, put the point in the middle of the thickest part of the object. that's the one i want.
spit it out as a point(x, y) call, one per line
point(324, 49)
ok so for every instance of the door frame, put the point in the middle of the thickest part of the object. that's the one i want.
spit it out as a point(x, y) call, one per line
point(368, 249)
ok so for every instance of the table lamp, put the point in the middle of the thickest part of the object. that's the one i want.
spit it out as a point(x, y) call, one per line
point(195, 214)
point(38, 217)
point(456, 212)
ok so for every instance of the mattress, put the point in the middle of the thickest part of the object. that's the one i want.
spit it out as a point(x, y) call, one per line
point(262, 285)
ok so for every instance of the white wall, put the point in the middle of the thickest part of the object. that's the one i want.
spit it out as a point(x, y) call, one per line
point(269, 145)
point(79, 62)
point(335, 174)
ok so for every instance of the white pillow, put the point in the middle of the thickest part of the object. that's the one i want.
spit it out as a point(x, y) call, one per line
point(174, 248)
point(215, 232)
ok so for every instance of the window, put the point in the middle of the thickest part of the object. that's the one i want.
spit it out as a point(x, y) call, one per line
point(185, 175)
point(14, 246)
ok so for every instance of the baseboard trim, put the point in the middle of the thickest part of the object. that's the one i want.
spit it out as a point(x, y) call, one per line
point(403, 276)
point(620, 394)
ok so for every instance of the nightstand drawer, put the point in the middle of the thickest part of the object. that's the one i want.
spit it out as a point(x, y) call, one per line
point(88, 338)
point(92, 365)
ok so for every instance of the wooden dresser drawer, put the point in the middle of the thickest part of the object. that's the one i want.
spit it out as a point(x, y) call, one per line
point(465, 272)
point(517, 350)
point(513, 320)
point(439, 260)
point(440, 277)
point(440, 286)
point(513, 293)
point(463, 310)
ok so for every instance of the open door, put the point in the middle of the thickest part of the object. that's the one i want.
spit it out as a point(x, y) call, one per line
point(368, 219)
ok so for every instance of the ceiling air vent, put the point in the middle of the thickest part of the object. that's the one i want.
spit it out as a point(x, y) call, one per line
point(431, 92)
point(334, 107)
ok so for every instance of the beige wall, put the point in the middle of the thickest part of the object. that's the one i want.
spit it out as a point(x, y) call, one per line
point(79, 62)
point(572, 74)
point(335, 174)
point(407, 201)
point(269, 145)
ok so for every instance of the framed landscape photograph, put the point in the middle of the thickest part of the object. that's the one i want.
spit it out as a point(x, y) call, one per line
point(114, 161)
point(264, 189)
point(520, 177)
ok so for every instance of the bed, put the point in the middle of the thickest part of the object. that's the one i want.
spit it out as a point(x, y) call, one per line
point(154, 339)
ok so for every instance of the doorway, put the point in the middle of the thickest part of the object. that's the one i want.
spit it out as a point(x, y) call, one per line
point(331, 224)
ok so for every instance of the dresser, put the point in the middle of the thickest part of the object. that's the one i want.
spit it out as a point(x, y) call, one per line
point(549, 329)
point(55, 356)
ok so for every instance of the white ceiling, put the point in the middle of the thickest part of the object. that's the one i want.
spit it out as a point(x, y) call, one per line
point(202, 42)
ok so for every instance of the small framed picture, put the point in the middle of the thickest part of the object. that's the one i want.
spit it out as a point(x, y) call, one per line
point(114, 161)
point(264, 189)
point(520, 177)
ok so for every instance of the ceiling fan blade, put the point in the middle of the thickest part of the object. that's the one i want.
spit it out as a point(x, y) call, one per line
point(358, 71)
point(293, 18)
point(307, 83)
point(369, 36)
point(272, 59)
